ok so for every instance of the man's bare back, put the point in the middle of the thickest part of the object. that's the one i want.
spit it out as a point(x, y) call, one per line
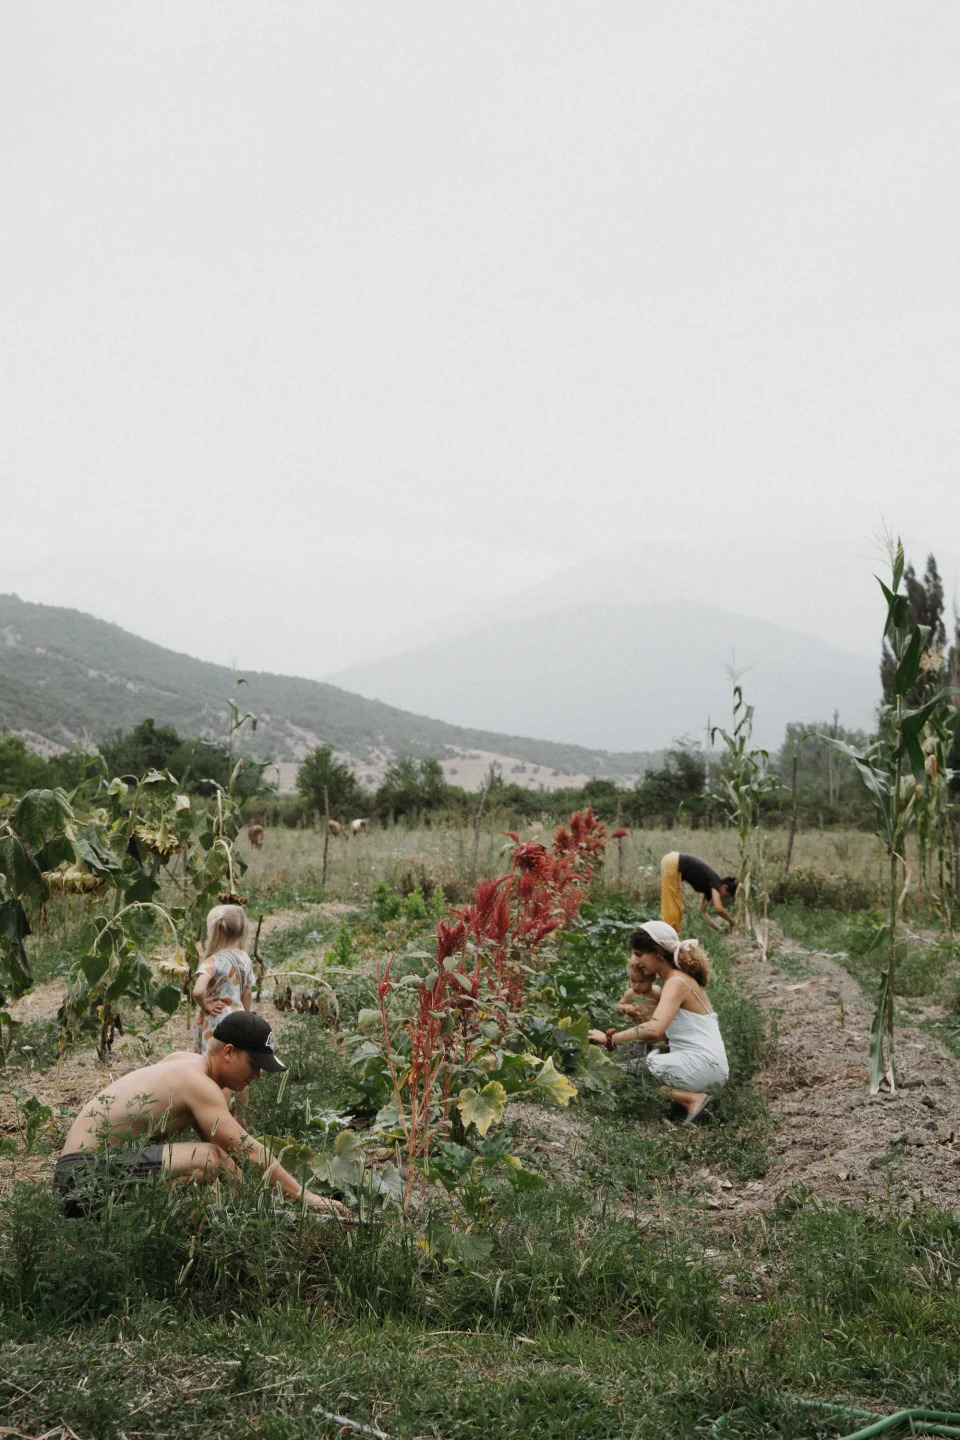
point(157, 1100)
point(160, 1101)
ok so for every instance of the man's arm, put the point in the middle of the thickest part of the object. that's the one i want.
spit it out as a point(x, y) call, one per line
point(718, 906)
point(211, 1116)
point(703, 911)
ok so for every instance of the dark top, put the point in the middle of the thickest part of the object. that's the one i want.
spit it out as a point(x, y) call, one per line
point(698, 875)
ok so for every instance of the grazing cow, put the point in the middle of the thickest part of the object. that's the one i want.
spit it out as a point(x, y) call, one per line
point(255, 836)
point(334, 827)
point(359, 827)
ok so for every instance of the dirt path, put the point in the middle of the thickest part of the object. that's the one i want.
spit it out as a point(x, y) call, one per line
point(831, 1135)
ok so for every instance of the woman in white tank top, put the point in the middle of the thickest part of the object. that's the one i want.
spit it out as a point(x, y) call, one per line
point(697, 1062)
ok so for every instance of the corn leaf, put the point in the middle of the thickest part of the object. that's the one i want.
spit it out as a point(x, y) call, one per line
point(909, 667)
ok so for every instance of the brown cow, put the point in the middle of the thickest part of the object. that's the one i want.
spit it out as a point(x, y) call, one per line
point(255, 836)
point(334, 827)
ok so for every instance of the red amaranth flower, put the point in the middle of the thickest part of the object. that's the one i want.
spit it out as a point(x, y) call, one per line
point(620, 832)
point(531, 856)
point(485, 898)
point(450, 939)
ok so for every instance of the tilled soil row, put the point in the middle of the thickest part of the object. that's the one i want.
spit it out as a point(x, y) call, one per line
point(832, 1136)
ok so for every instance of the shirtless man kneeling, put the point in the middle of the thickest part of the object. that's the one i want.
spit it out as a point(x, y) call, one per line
point(163, 1099)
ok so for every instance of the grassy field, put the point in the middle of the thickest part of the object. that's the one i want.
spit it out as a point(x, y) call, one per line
point(290, 863)
point(621, 1300)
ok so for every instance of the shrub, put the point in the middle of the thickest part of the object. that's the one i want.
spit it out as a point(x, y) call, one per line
point(386, 905)
point(415, 906)
point(814, 888)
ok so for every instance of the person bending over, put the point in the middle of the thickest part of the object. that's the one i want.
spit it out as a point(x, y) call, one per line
point(697, 1062)
point(129, 1129)
point(675, 868)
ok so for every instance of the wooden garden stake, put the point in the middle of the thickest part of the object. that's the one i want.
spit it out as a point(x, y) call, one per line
point(476, 822)
point(326, 836)
point(257, 958)
point(619, 845)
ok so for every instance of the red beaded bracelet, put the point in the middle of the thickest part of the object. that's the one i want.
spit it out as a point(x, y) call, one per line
point(610, 1034)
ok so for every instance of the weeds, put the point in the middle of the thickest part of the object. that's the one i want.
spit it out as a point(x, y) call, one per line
point(640, 1322)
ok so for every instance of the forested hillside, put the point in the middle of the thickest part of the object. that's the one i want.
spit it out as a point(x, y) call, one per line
point(64, 674)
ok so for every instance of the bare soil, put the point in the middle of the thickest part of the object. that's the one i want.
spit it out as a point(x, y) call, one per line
point(831, 1135)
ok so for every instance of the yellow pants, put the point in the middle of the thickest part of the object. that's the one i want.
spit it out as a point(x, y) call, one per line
point(671, 890)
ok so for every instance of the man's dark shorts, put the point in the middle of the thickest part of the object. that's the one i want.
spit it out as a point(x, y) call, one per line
point(83, 1177)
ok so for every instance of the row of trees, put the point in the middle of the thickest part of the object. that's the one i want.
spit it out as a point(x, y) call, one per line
point(201, 766)
point(819, 784)
point(685, 789)
point(679, 791)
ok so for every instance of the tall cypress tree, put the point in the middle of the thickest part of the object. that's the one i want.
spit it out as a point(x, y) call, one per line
point(925, 602)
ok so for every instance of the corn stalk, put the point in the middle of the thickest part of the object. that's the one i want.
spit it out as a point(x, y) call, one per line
point(745, 777)
point(935, 839)
point(895, 772)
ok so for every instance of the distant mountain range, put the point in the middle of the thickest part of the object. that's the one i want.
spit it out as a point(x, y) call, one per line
point(65, 675)
point(623, 675)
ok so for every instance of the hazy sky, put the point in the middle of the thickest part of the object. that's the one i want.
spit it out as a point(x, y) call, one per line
point(321, 322)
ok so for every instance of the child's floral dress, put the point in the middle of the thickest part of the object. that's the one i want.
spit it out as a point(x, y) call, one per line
point(231, 972)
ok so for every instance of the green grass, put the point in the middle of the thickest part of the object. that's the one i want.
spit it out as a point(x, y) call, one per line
point(582, 1322)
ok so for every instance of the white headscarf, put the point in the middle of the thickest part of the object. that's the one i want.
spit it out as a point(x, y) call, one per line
point(664, 935)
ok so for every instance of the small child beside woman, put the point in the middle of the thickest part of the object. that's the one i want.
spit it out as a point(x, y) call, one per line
point(639, 1000)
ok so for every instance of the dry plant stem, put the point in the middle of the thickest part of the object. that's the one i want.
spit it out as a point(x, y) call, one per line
point(326, 836)
point(476, 822)
point(793, 811)
point(408, 1127)
point(619, 826)
point(257, 958)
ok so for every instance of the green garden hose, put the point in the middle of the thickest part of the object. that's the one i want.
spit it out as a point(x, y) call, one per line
point(930, 1422)
point(905, 1422)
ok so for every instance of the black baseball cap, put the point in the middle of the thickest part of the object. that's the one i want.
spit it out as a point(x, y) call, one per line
point(246, 1031)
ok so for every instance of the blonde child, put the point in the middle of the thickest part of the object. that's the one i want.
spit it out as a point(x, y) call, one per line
point(225, 975)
